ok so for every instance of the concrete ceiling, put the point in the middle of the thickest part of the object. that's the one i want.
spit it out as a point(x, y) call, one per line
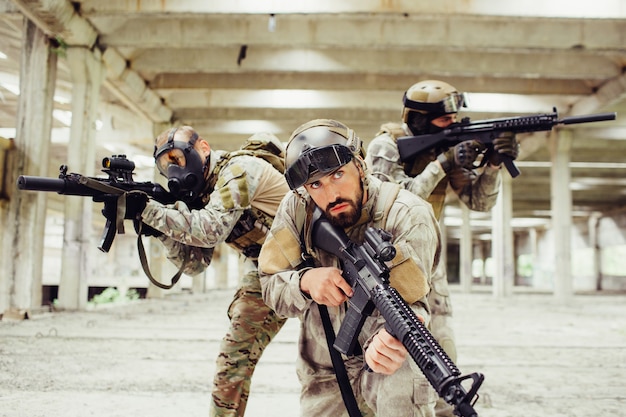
point(232, 68)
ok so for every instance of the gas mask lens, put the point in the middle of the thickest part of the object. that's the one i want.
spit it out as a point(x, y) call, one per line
point(184, 169)
point(317, 160)
point(170, 157)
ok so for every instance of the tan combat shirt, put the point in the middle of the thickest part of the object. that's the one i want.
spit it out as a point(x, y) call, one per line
point(416, 237)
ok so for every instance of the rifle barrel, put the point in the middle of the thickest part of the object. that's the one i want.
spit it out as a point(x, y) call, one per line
point(27, 182)
point(588, 118)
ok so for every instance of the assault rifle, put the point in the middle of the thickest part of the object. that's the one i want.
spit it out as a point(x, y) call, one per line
point(365, 270)
point(486, 131)
point(108, 190)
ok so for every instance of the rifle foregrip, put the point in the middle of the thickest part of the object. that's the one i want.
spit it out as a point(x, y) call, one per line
point(435, 364)
point(404, 324)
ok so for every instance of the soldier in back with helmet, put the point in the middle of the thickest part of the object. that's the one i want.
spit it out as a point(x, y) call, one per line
point(223, 198)
point(429, 107)
point(325, 169)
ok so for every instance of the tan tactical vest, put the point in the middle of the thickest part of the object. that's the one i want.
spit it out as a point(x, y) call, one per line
point(254, 224)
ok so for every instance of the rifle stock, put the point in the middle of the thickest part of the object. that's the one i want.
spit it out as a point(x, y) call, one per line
point(365, 270)
point(107, 190)
point(486, 131)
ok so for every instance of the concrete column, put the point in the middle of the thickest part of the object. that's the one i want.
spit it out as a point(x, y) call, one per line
point(561, 204)
point(22, 244)
point(220, 263)
point(533, 240)
point(465, 249)
point(87, 75)
point(478, 252)
point(502, 240)
point(198, 283)
point(594, 243)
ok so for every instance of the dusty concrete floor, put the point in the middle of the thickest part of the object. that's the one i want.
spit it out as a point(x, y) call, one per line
point(156, 358)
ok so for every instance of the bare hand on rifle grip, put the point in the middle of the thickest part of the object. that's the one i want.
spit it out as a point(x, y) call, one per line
point(326, 286)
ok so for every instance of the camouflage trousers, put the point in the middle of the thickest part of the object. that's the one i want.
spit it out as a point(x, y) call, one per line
point(253, 325)
point(441, 325)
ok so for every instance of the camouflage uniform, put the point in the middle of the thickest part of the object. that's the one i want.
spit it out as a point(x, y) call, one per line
point(411, 220)
point(241, 185)
point(425, 178)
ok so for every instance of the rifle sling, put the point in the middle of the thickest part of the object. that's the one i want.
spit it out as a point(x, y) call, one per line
point(119, 223)
point(340, 369)
point(146, 269)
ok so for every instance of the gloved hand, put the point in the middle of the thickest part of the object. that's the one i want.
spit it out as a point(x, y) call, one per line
point(145, 230)
point(135, 203)
point(505, 144)
point(461, 155)
point(460, 178)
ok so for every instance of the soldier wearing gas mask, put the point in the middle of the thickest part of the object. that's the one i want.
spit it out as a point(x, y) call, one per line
point(223, 198)
point(429, 107)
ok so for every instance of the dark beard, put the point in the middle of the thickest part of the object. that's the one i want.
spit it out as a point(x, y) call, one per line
point(346, 219)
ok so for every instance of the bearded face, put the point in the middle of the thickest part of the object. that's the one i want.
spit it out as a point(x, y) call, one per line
point(352, 209)
point(340, 194)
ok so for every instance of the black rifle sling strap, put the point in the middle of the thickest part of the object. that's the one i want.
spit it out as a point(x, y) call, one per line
point(144, 263)
point(302, 216)
point(340, 369)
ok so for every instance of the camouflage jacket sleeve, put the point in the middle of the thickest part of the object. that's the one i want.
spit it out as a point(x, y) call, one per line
point(278, 261)
point(383, 160)
point(209, 226)
point(199, 258)
point(482, 194)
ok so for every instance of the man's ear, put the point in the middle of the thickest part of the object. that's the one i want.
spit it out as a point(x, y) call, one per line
point(360, 164)
point(204, 146)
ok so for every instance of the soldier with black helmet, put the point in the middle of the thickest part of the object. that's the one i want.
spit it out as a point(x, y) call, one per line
point(325, 169)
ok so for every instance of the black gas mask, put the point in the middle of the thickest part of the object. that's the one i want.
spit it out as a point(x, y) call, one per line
point(421, 124)
point(183, 167)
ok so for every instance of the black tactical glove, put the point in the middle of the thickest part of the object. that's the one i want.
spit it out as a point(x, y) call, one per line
point(135, 203)
point(505, 144)
point(462, 155)
point(460, 178)
point(145, 230)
